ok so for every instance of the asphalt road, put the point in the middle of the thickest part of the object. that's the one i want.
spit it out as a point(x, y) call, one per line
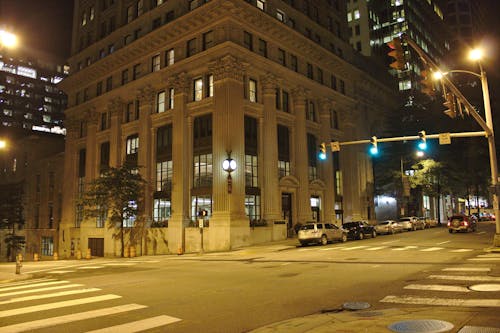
point(248, 288)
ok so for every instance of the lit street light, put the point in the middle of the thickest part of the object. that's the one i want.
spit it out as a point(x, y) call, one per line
point(7, 39)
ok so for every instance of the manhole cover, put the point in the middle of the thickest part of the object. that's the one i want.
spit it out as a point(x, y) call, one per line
point(485, 287)
point(421, 326)
point(356, 305)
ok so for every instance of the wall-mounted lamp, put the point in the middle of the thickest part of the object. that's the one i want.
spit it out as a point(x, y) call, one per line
point(229, 165)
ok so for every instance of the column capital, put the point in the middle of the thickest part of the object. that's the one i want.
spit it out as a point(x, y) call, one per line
point(228, 67)
point(72, 126)
point(299, 95)
point(269, 83)
point(181, 82)
point(91, 116)
point(146, 95)
point(115, 106)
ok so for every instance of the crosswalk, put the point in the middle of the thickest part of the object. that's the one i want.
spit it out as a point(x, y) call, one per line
point(20, 298)
point(471, 285)
point(391, 248)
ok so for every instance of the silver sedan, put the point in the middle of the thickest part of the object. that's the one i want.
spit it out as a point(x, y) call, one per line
point(388, 227)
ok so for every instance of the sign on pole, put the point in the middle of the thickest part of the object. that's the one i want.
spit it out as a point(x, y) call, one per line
point(444, 138)
point(335, 145)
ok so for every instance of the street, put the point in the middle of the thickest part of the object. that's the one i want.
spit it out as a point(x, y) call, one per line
point(245, 289)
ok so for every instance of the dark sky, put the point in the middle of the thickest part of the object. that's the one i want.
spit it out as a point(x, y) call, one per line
point(40, 24)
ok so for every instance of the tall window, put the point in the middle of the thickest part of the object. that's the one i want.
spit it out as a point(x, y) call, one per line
point(334, 119)
point(252, 190)
point(198, 89)
point(155, 63)
point(81, 186)
point(310, 73)
point(312, 159)
point(294, 63)
point(109, 83)
point(132, 150)
point(208, 40)
point(263, 47)
point(261, 4)
point(104, 160)
point(130, 13)
point(252, 90)
point(283, 151)
point(164, 173)
point(310, 111)
point(47, 246)
point(285, 101)
point(160, 102)
point(124, 76)
point(252, 208)
point(136, 71)
point(169, 57)
point(202, 152)
point(282, 57)
point(171, 98)
point(248, 40)
point(191, 47)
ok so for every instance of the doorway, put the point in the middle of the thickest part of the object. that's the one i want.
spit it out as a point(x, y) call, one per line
point(96, 246)
point(286, 212)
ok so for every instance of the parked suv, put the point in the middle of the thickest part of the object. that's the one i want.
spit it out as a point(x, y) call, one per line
point(462, 223)
point(316, 232)
point(359, 229)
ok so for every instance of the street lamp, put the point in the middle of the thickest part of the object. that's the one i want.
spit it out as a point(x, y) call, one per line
point(3, 144)
point(229, 165)
point(7, 39)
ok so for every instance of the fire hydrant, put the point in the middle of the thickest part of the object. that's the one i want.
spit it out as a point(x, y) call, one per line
point(18, 265)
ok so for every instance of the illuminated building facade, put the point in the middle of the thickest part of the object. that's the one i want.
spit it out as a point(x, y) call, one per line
point(29, 97)
point(177, 87)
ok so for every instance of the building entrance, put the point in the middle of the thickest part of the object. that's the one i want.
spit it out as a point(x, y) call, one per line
point(96, 246)
point(286, 212)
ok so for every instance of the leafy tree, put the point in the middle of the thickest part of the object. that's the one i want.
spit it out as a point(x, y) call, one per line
point(11, 217)
point(116, 196)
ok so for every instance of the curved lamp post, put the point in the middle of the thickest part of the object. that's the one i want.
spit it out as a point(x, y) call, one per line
point(229, 165)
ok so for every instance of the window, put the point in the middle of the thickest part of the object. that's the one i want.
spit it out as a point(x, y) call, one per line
point(171, 98)
point(191, 47)
point(124, 76)
point(310, 71)
point(136, 71)
point(280, 15)
point(251, 149)
point(252, 90)
point(101, 217)
point(92, 13)
point(132, 145)
point(210, 85)
point(285, 99)
point(132, 112)
point(208, 40)
point(140, 7)
point(282, 57)
point(283, 151)
point(155, 63)
point(109, 83)
point(159, 2)
point(260, 4)
point(333, 82)
point(357, 30)
point(356, 14)
point(320, 75)
point(293, 63)
point(84, 19)
point(130, 13)
point(312, 160)
point(160, 102)
point(164, 174)
point(162, 210)
point(202, 170)
point(104, 158)
point(248, 40)
point(202, 153)
point(334, 119)
point(342, 87)
point(263, 47)
point(170, 57)
point(164, 166)
point(200, 203)
point(310, 111)
point(198, 89)
point(47, 246)
point(252, 208)
point(105, 120)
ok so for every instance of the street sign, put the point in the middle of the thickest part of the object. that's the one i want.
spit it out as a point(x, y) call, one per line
point(335, 145)
point(444, 138)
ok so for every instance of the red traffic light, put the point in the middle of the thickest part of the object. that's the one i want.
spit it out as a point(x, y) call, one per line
point(396, 53)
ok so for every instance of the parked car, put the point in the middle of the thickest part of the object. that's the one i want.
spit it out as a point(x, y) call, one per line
point(359, 229)
point(322, 233)
point(462, 223)
point(419, 223)
point(429, 223)
point(408, 223)
point(388, 227)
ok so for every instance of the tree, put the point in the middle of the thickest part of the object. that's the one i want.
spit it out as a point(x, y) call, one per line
point(116, 197)
point(11, 217)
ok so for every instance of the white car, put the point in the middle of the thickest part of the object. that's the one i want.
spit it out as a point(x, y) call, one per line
point(388, 227)
point(317, 232)
point(408, 223)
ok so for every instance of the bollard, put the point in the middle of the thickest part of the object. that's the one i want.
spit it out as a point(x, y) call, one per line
point(35, 257)
point(126, 253)
point(56, 256)
point(132, 251)
point(18, 266)
point(78, 254)
point(20, 256)
point(89, 254)
point(179, 250)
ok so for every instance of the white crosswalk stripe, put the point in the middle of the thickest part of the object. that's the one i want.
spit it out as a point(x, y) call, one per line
point(386, 247)
point(354, 248)
point(376, 248)
point(40, 289)
point(442, 301)
point(410, 247)
point(430, 249)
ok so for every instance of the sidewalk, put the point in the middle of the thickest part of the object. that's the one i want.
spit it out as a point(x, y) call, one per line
point(8, 273)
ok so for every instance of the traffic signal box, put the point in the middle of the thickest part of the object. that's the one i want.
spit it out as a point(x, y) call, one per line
point(422, 142)
point(322, 151)
point(397, 54)
point(373, 148)
point(427, 83)
point(450, 105)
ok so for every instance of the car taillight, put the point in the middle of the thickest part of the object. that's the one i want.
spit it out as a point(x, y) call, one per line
point(466, 223)
point(449, 223)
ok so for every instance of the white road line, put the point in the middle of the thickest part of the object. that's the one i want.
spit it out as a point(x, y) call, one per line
point(411, 247)
point(465, 277)
point(484, 259)
point(430, 249)
point(489, 255)
point(90, 267)
point(437, 287)
point(462, 250)
point(442, 301)
point(302, 250)
point(57, 294)
point(22, 292)
point(353, 248)
point(467, 269)
point(393, 241)
point(152, 261)
point(61, 272)
point(328, 249)
point(56, 305)
point(376, 248)
point(48, 322)
point(139, 325)
point(285, 264)
point(26, 282)
point(121, 264)
point(41, 284)
point(441, 243)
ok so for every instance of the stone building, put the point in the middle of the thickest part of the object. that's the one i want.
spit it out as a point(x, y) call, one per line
point(177, 87)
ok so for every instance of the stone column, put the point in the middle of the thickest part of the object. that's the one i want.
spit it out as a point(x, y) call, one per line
point(326, 167)
point(301, 159)
point(92, 117)
point(229, 227)
point(270, 195)
point(115, 107)
point(181, 157)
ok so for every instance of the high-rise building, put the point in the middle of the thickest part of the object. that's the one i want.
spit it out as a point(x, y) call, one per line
point(29, 96)
point(178, 87)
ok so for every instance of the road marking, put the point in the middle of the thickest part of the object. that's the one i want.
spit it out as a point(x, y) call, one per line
point(302, 250)
point(57, 294)
point(329, 249)
point(467, 269)
point(42, 323)
point(465, 277)
point(90, 267)
point(484, 259)
point(56, 305)
point(285, 263)
point(376, 248)
point(442, 301)
point(393, 241)
point(139, 325)
point(26, 282)
point(431, 249)
point(121, 264)
point(61, 272)
point(375, 266)
point(441, 243)
point(21, 292)
point(41, 284)
point(462, 250)
point(353, 248)
point(154, 261)
point(489, 255)
point(411, 247)
point(437, 287)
